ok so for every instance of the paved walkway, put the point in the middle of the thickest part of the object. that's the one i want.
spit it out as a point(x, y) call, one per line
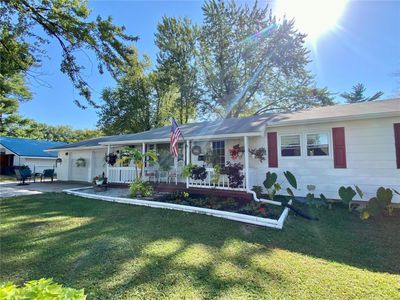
point(11, 189)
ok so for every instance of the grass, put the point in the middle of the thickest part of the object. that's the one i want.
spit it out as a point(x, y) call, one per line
point(118, 251)
point(7, 178)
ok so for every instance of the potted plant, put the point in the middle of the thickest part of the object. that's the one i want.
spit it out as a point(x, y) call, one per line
point(258, 153)
point(236, 151)
point(111, 158)
point(199, 173)
point(99, 183)
point(233, 171)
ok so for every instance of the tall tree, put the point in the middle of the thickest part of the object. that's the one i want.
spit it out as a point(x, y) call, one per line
point(67, 22)
point(13, 88)
point(176, 39)
point(166, 95)
point(127, 107)
point(250, 63)
point(39, 131)
point(357, 94)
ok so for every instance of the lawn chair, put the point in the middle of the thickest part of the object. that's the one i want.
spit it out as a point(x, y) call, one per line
point(22, 175)
point(150, 174)
point(48, 173)
point(176, 174)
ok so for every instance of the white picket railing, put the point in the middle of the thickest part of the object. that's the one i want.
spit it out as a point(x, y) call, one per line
point(121, 174)
point(223, 183)
point(127, 175)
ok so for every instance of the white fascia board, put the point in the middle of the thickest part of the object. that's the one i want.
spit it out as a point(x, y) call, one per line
point(76, 148)
point(334, 119)
point(195, 138)
point(39, 157)
point(16, 154)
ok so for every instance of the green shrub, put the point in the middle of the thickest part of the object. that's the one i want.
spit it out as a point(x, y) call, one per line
point(347, 194)
point(40, 289)
point(378, 205)
point(139, 187)
point(187, 170)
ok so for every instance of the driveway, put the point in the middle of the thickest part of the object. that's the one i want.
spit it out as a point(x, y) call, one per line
point(12, 189)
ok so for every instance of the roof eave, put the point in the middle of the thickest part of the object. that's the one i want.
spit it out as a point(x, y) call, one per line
point(73, 148)
point(334, 119)
point(191, 138)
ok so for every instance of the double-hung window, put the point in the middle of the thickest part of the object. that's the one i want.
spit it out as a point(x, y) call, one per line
point(290, 145)
point(317, 144)
point(218, 149)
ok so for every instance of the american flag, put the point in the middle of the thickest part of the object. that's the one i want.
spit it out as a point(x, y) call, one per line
point(174, 137)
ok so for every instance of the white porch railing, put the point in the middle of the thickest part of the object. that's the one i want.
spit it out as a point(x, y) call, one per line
point(121, 174)
point(127, 175)
point(223, 183)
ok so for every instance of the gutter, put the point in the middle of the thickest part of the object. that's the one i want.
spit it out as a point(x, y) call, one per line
point(333, 119)
point(192, 138)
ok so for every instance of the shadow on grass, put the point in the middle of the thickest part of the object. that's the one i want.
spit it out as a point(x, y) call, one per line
point(108, 248)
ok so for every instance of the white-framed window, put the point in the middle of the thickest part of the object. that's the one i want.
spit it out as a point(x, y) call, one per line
point(317, 144)
point(290, 145)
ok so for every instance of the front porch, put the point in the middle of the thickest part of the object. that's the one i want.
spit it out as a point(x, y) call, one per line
point(205, 153)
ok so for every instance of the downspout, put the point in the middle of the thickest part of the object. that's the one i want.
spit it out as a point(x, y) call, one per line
point(246, 166)
point(143, 159)
point(187, 160)
point(108, 165)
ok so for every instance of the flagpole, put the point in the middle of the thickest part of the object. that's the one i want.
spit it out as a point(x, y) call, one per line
point(173, 119)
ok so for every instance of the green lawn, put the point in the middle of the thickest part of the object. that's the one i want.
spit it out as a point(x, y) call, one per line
point(7, 178)
point(123, 251)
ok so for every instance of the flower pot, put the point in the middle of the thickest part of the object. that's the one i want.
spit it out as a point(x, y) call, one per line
point(99, 182)
point(100, 188)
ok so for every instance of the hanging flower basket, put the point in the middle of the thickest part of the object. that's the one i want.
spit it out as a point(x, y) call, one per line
point(236, 152)
point(111, 159)
point(80, 162)
point(258, 153)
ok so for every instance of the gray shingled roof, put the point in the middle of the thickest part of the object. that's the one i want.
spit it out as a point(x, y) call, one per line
point(256, 124)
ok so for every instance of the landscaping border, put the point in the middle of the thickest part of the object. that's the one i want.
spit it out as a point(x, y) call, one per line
point(266, 222)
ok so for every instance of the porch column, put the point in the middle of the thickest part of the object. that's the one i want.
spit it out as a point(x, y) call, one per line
point(187, 160)
point(108, 166)
point(246, 162)
point(91, 166)
point(144, 158)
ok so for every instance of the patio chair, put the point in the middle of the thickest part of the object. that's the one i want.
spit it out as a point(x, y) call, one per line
point(175, 174)
point(150, 174)
point(22, 175)
point(162, 176)
point(48, 173)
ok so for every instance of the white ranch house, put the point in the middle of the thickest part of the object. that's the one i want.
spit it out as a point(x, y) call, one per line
point(352, 144)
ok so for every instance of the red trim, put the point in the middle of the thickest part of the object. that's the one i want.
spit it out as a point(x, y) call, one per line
point(396, 128)
point(272, 141)
point(339, 147)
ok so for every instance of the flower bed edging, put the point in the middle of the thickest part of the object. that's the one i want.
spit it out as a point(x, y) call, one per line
point(266, 222)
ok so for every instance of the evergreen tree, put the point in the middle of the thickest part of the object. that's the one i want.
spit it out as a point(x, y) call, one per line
point(357, 94)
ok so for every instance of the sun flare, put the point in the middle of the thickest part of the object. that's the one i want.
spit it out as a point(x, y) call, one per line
point(313, 17)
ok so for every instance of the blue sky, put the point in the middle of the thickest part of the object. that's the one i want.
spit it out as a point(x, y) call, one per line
point(365, 48)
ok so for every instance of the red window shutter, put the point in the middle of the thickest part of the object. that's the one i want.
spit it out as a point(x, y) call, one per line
point(339, 147)
point(272, 149)
point(397, 142)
